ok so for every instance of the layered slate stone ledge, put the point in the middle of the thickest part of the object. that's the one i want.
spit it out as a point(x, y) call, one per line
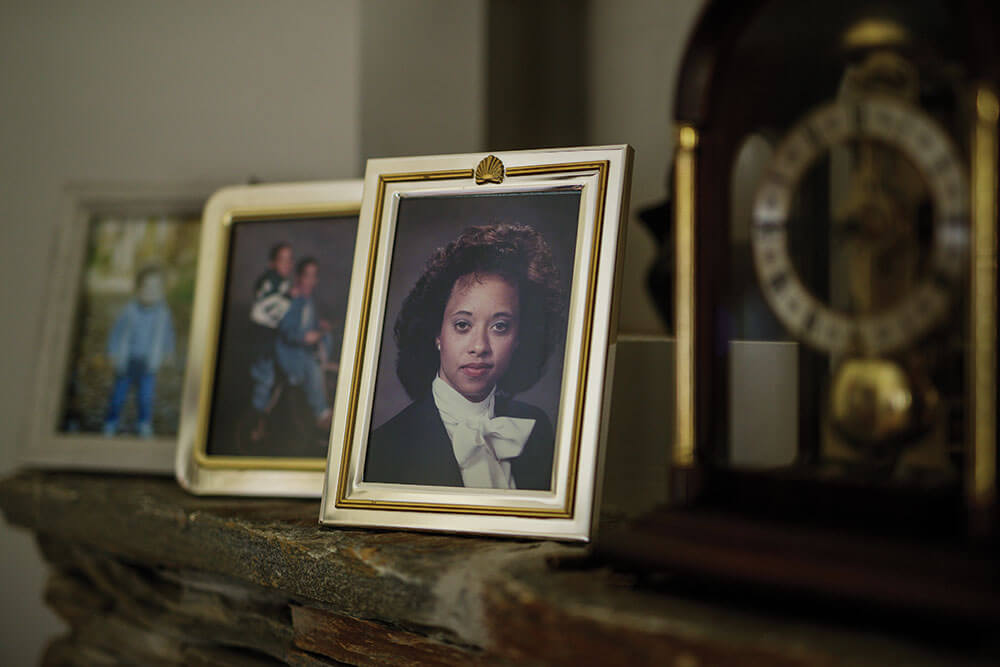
point(145, 573)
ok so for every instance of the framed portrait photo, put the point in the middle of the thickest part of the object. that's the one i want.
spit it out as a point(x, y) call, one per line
point(107, 392)
point(267, 330)
point(479, 345)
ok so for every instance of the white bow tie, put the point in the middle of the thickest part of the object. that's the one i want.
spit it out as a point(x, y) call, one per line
point(501, 438)
point(483, 445)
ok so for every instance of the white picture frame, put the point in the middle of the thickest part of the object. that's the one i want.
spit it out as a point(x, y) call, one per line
point(207, 461)
point(48, 443)
point(598, 178)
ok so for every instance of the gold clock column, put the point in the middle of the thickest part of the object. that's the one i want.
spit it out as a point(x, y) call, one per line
point(684, 203)
point(983, 326)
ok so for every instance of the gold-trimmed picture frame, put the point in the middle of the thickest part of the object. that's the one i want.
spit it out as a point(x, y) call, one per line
point(110, 237)
point(268, 321)
point(488, 246)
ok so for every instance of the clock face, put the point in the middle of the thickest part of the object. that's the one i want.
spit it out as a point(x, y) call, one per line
point(894, 279)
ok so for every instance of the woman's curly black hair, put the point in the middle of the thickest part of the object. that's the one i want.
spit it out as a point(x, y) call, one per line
point(520, 256)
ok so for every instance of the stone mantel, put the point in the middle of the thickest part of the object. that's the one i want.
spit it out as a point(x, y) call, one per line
point(145, 573)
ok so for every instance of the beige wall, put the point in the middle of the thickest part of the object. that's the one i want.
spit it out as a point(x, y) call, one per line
point(180, 91)
point(218, 91)
point(634, 49)
point(422, 77)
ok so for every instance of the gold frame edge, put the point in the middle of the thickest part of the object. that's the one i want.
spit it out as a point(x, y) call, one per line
point(982, 482)
point(683, 454)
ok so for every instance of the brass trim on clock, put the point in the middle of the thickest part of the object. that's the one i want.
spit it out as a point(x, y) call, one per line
point(982, 480)
point(684, 215)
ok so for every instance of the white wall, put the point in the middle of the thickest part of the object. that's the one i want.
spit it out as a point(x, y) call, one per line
point(179, 91)
point(634, 48)
point(423, 77)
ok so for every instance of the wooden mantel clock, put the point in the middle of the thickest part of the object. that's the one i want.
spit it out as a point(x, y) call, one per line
point(835, 190)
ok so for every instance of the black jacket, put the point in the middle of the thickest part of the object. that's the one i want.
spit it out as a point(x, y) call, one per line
point(413, 448)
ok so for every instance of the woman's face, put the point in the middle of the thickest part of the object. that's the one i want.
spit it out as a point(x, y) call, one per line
point(479, 334)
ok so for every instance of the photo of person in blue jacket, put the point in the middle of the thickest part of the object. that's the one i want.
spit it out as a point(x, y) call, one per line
point(141, 339)
point(304, 342)
point(131, 318)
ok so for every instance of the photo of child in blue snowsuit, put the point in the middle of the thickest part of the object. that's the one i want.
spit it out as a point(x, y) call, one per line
point(141, 339)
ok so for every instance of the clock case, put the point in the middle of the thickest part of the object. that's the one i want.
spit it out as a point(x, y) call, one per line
point(754, 64)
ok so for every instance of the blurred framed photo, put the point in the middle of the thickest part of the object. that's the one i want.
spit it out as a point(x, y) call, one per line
point(109, 377)
point(268, 325)
point(476, 367)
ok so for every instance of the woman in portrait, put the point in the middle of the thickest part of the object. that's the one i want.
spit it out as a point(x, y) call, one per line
point(475, 330)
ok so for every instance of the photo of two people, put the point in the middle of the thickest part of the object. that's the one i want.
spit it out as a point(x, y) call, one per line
point(279, 344)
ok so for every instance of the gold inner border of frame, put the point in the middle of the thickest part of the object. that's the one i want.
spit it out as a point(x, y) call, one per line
point(682, 454)
point(230, 218)
point(601, 167)
point(982, 478)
